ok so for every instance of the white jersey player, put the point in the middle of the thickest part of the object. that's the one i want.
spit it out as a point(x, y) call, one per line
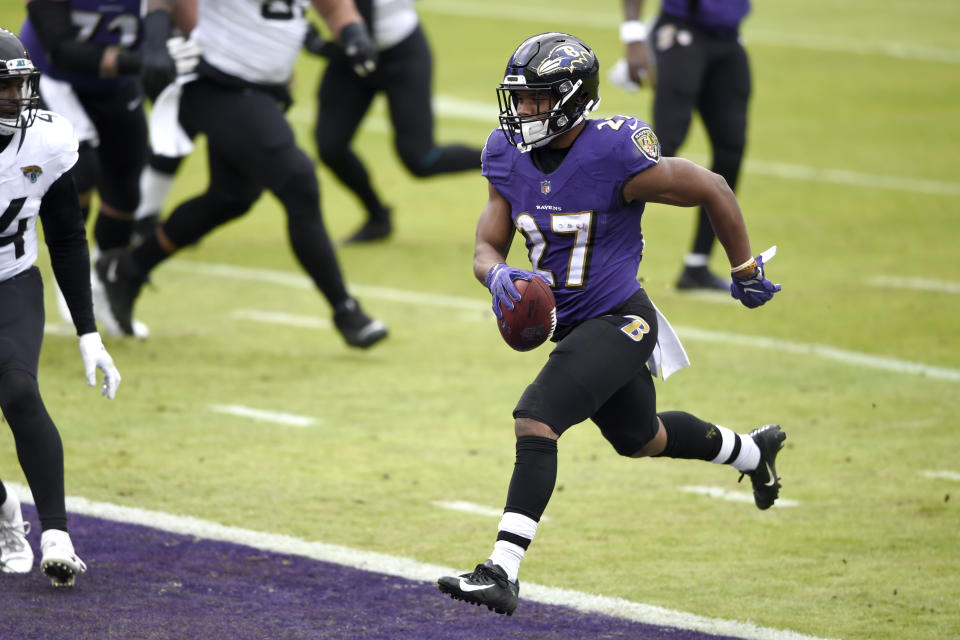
point(37, 151)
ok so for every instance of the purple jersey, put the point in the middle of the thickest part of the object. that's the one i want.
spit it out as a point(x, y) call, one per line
point(104, 22)
point(580, 236)
point(722, 16)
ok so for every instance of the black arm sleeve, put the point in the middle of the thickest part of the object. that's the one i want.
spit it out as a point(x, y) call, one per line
point(51, 19)
point(66, 239)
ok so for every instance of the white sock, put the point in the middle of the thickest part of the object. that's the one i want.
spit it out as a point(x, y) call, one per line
point(507, 554)
point(696, 260)
point(748, 457)
point(154, 187)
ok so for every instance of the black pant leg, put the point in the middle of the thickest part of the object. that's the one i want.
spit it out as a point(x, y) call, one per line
point(407, 76)
point(250, 139)
point(723, 109)
point(344, 99)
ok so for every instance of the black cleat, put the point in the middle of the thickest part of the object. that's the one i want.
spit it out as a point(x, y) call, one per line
point(143, 228)
point(694, 278)
point(487, 585)
point(766, 483)
point(378, 228)
point(122, 280)
point(356, 327)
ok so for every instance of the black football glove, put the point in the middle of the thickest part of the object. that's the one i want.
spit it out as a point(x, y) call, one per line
point(359, 48)
point(158, 68)
point(316, 44)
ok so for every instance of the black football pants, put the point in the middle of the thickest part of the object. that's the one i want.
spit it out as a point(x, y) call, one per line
point(251, 147)
point(712, 75)
point(404, 74)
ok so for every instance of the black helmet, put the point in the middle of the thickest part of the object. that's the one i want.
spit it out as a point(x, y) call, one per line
point(16, 67)
point(557, 63)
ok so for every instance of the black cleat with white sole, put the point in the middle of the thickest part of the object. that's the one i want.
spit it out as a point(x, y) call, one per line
point(122, 280)
point(356, 327)
point(486, 585)
point(766, 482)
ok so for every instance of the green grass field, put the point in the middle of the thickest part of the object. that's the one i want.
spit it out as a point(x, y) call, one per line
point(851, 171)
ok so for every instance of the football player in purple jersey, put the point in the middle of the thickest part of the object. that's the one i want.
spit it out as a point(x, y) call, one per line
point(700, 65)
point(576, 189)
point(96, 59)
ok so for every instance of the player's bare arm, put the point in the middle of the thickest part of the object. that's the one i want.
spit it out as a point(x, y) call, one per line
point(494, 234)
point(679, 182)
point(337, 13)
point(633, 34)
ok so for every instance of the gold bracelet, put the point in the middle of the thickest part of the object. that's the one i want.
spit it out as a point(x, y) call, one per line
point(751, 263)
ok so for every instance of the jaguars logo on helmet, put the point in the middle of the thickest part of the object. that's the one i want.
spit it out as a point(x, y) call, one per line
point(558, 66)
point(16, 70)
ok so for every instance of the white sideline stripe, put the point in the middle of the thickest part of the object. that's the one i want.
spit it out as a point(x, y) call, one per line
point(851, 178)
point(941, 475)
point(411, 569)
point(920, 284)
point(447, 106)
point(515, 12)
point(277, 317)
point(893, 365)
point(469, 507)
point(856, 358)
point(733, 496)
point(298, 281)
point(263, 416)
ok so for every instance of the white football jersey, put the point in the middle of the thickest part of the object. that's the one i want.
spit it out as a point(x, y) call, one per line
point(256, 40)
point(393, 21)
point(27, 170)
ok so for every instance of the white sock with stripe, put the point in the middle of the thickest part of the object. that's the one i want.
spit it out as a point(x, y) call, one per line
point(508, 554)
point(739, 451)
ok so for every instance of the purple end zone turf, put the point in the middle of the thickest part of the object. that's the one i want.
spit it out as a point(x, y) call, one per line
point(146, 584)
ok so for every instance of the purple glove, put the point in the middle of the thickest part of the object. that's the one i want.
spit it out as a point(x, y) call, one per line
point(500, 282)
point(754, 290)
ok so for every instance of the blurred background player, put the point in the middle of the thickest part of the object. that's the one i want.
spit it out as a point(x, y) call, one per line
point(404, 73)
point(238, 101)
point(91, 58)
point(37, 151)
point(700, 65)
point(579, 207)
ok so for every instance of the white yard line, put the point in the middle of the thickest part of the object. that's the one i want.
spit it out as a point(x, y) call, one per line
point(733, 496)
point(411, 569)
point(918, 284)
point(262, 415)
point(514, 12)
point(450, 107)
point(277, 317)
point(823, 351)
point(826, 352)
point(475, 509)
point(941, 475)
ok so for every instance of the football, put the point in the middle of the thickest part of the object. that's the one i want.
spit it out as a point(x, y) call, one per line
point(534, 317)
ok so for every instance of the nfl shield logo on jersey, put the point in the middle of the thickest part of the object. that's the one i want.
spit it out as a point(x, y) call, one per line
point(544, 187)
point(33, 172)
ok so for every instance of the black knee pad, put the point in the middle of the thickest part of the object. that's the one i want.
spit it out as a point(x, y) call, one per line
point(19, 397)
point(418, 159)
point(300, 191)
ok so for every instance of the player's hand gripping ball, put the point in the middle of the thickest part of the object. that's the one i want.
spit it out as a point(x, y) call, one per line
point(533, 318)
